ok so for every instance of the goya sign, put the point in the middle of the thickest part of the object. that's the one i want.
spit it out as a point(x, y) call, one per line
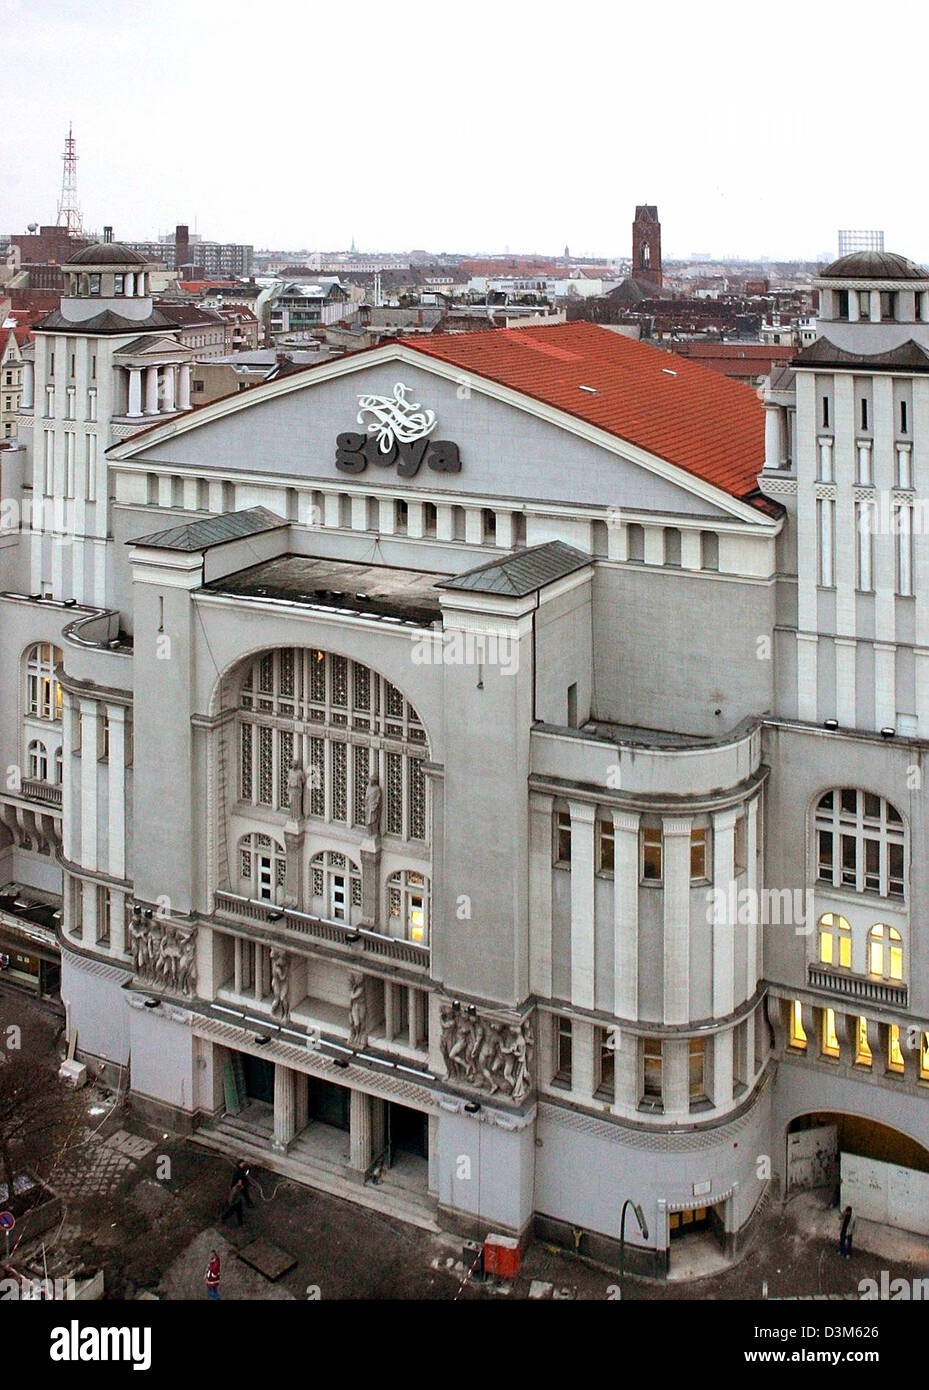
point(398, 432)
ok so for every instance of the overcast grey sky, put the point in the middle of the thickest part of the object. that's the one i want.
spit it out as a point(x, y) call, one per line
point(757, 129)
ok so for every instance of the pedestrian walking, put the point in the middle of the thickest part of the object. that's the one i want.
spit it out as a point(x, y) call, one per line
point(244, 1173)
point(211, 1278)
point(236, 1204)
point(847, 1233)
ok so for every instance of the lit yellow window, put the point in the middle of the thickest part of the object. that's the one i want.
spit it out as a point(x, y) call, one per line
point(835, 940)
point(830, 1038)
point(862, 1047)
point(885, 952)
point(894, 1054)
point(417, 919)
point(797, 1034)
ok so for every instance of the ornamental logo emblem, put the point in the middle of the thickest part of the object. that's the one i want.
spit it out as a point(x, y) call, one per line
point(396, 420)
point(398, 431)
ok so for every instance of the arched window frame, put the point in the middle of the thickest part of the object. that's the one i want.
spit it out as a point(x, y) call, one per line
point(885, 952)
point(326, 869)
point(860, 843)
point(835, 941)
point(342, 720)
point(251, 850)
point(43, 691)
point(409, 905)
point(37, 761)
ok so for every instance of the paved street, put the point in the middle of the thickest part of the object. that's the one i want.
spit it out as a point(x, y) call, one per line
point(147, 1207)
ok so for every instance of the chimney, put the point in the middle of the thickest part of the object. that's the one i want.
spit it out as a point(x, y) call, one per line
point(181, 246)
point(108, 234)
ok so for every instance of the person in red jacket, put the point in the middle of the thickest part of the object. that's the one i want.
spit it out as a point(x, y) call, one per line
point(212, 1276)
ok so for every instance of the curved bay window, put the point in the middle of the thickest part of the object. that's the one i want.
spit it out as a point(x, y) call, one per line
point(343, 723)
point(885, 952)
point(860, 843)
point(408, 906)
point(43, 693)
point(262, 868)
point(335, 883)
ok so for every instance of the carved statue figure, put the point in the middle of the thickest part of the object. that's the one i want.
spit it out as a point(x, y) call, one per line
point(187, 967)
point(357, 1013)
point(373, 797)
point(279, 984)
point(486, 1054)
point(170, 955)
point(138, 941)
point(296, 780)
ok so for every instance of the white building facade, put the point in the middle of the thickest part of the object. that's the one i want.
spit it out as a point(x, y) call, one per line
point(477, 764)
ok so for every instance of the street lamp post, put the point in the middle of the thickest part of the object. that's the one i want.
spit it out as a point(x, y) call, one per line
point(640, 1218)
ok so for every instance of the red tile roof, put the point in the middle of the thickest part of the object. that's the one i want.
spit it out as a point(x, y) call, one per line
point(694, 418)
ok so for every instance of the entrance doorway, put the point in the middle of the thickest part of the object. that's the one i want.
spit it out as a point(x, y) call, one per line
point(683, 1223)
point(407, 1131)
point(328, 1103)
point(259, 1078)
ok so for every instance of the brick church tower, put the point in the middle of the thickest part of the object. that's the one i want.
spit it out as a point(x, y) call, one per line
point(646, 245)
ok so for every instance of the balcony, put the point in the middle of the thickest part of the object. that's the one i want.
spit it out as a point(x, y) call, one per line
point(858, 987)
point(388, 948)
point(46, 792)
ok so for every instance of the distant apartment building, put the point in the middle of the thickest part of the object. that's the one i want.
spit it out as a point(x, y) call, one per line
point(208, 260)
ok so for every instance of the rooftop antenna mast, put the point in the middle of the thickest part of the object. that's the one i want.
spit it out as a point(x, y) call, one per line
point(69, 214)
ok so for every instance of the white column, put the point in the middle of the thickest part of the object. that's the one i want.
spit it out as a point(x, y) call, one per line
point(807, 680)
point(331, 509)
point(183, 401)
point(505, 530)
point(474, 526)
point(676, 952)
point(116, 791)
point(675, 1078)
point(774, 437)
point(89, 767)
point(69, 717)
point(540, 895)
point(135, 391)
point(444, 524)
point(151, 391)
point(28, 400)
point(117, 922)
point(845, 667)
point(625, 915)
point(169, 376)
point(724, 901)
point(284, 1107)
point(719, 1051)
point(387, 515)
point(360, 1125)
point(582, 904)
point(414, 519)
point(754, 938)
point(885, 692)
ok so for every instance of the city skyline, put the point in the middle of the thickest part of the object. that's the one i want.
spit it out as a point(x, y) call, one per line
point(569, 169)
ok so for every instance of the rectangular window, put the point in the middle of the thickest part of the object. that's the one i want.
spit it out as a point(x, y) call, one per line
point(709, 550)
point(69, 465)
point(826, 509)
point(825, 415)
point(605, 846)
point(894, 1051)
point(924, 1056)
point(903, 417)
point(635, 542)
point(103, 738)
point(740, 845)
point(605, 1079)
point(864, 304)
point(864, 412)
point(830, 1041)
point(103, 916)
point(95, 284)
point(672, 546)
point(91, 458)
point(119, 284)
point(562, 1049)
point(888, 304)
point(863, 1056)
point(697, 1068)
point(71, 365)
point(651, 855)
point(698, 859)
point(563, 837)
point(797, 1031)
point(904, 540)
point(863, 524)
point(651, 1069)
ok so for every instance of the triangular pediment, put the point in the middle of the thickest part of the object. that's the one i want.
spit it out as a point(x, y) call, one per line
point(151, 347)
point(510, 444)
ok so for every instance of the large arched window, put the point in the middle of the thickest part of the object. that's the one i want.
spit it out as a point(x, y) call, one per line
point(335, 883)
point(885, 952)
point(860, 843)
point(343, 723)
point(43, 693)
point(408, 906)
point(262, 867)
point(835, 940)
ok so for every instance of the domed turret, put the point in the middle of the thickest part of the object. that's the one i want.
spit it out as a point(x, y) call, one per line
point(105, 276)
point(873, 302)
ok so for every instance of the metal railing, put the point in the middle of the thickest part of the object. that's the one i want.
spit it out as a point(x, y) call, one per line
point(859, 987)
point(235, 905)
